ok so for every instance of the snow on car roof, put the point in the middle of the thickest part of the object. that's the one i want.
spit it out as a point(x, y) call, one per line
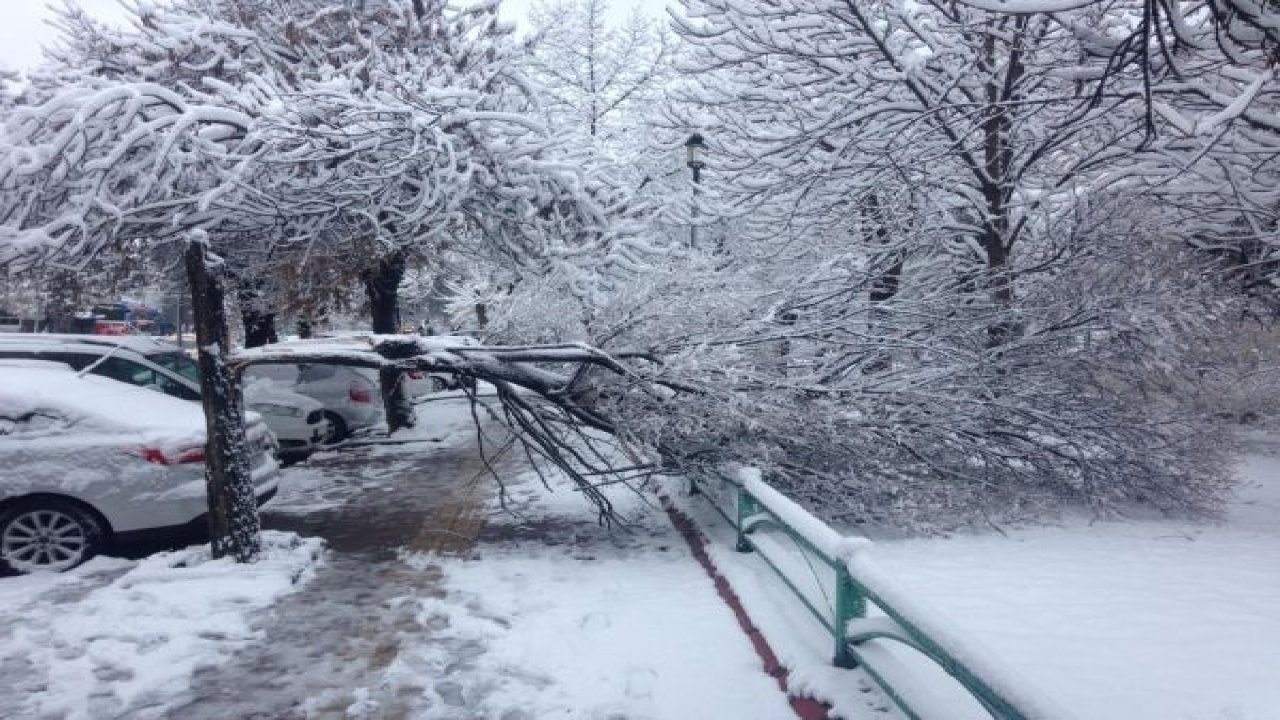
point(142, 344)
point(103, 401)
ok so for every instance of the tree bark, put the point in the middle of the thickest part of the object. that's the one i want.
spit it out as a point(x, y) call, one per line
point(234, 526)
point(382, 285)
point(258, 318)
point(395, 397)
point(259, 328)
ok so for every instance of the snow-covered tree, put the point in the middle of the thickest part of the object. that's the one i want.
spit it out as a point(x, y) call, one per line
point(923, 317)
point(279, 134)
point(598, 78)
point(1205, 73)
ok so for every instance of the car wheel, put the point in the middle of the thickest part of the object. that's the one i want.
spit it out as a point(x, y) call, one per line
point(337, 429)
point(438, 384)
point(48, 534)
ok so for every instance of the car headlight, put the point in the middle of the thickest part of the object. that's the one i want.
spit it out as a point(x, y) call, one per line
point(278, 410)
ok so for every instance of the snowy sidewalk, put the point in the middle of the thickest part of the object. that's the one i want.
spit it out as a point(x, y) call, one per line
point(430, 603)
point(553, 616)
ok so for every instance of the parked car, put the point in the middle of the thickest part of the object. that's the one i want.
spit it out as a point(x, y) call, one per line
point(297, 421)
point(419, 383)
point(113, 327)
point(87, 462)
point(348, 395)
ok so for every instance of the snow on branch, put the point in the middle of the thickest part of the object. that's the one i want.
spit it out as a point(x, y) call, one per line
point(551, 411)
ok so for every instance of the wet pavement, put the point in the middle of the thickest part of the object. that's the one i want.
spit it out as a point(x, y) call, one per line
point(325, 651)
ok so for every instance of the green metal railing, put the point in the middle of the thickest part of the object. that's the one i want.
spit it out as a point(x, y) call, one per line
point(757, 506)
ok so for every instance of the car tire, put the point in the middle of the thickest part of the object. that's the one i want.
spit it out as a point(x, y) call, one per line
point(48, 534)
point(338, 430)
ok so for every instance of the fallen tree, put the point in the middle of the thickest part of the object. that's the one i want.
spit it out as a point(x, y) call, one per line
point(546, 394)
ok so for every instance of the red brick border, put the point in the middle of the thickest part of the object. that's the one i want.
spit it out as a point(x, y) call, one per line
point(805, 708)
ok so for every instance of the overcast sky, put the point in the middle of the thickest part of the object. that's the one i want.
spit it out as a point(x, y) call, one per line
point(24, 30)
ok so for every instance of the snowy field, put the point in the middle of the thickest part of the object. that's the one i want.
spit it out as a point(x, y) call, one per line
point(1125, 620)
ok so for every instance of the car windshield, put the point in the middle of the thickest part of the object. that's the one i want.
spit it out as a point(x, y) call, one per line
point(177, 362)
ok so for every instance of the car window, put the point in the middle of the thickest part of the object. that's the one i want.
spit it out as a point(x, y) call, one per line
point(312, 373)
point(126, 371)
point(143, 376)
point(274, 373)
point(178, 363)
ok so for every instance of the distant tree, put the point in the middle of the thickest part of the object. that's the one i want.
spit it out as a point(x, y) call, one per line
point(598, 78)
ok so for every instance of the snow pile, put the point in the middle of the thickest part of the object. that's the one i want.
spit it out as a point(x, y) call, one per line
point(560, 618)
point(126, 647)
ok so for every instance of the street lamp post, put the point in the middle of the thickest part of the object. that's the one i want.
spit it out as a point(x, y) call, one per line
point(693, 148)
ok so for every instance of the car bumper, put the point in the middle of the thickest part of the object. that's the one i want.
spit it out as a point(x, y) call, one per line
point(295, 437)
point(360, 416)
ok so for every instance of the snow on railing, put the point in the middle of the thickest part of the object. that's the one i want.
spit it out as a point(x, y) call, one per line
point(758, 510)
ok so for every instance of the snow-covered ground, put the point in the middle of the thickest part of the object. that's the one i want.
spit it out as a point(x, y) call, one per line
point(118, 634)
point(1121, 620)
point(551, 615)
point(547, 614)
point(1124, 620)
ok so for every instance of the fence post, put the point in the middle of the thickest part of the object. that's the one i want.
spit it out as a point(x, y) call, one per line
point(850, 604)
point(746, 508)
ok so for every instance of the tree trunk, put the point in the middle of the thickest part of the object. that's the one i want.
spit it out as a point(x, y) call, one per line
point(259, 328)
point(395, 397)
point(256, 314)
point(382, 285)
point(234, 526)
point(886, 283)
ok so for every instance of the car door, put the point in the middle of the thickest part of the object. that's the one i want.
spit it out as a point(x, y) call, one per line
point(49, 450)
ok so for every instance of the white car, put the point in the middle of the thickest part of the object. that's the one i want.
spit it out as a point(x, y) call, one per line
point(78, 475)
point(297, 421)
point(417, 383)
point(349, 395)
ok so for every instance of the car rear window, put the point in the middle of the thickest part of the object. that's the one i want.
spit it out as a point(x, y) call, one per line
point(312, 373)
